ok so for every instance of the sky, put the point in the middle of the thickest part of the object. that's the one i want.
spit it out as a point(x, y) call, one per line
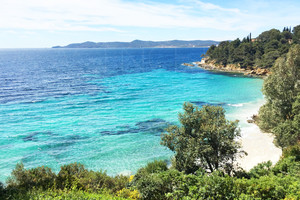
point(47, 23)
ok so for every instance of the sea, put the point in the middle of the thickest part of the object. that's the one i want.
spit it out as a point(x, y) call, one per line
point(105, 108)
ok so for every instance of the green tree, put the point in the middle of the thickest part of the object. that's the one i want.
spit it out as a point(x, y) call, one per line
point(281, 112)
point(296, 34)
point(267, 36)
point(205, 140)
point(40, 177)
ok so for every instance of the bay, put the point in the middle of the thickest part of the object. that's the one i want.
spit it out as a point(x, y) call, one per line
point(104, 108)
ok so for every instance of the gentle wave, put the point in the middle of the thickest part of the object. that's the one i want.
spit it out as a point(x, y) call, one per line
point(105, 110)
point(236, 105)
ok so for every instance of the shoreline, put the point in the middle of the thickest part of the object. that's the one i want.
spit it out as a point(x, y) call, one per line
point(258, 144)
point(230, 68)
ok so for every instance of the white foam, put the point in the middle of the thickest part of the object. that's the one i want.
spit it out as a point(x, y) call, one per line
point(236, 105)
point(126, 173)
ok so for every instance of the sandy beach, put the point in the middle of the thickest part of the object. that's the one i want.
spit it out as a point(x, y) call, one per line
point(257, 144)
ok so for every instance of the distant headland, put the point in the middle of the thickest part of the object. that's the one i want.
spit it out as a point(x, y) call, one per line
point(143, 44)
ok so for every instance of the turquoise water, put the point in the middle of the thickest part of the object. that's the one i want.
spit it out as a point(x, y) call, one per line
point(103, 108)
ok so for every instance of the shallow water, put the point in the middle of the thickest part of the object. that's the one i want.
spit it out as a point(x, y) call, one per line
point(105, 108)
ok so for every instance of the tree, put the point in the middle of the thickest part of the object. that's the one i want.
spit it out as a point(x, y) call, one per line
point(267, 36)
point(205, 140)
point(281, 88)
point(296, 34)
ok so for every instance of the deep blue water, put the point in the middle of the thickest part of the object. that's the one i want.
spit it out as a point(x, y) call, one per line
point(105, 108)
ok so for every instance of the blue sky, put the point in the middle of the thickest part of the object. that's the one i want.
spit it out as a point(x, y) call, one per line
point(46, 23)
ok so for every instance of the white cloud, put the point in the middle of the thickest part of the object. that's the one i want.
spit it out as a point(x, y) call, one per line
point(115, 15)
point(101, 15)
point(210, 6)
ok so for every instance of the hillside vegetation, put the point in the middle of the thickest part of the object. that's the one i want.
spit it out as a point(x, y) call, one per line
point(255, 52)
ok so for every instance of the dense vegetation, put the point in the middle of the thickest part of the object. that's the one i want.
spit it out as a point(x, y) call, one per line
point(205, 149)
point(157, 181)
point(255, 52)
point(281, 113)
point(73, 180)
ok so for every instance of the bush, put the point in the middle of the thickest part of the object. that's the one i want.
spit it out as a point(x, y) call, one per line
point(2, 191)
point(152, 167)
point(40, 177)
point(62, 194)
point(128, 193)
point(70, 176)
point(292, 151)
point(75, 175)
point(287, 165)
point(204, 186)
point(262, 169)
point(156, 185)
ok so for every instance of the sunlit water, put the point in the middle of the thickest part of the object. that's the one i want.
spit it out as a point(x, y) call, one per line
point(104, 108)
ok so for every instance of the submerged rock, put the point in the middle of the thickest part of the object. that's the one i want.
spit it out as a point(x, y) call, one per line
point(153, 126)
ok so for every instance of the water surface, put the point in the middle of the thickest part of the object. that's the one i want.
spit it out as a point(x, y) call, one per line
point(105, 108)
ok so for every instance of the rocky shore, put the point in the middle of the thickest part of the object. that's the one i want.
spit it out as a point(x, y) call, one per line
point(232, 68)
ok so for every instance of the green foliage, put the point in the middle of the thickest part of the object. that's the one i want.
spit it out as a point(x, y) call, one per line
point(260, 52)
point(281, 113)
point(296, 34)
point(288, 165)
point(155, 166)
point(152, 167)
point(148, 181)
point(62, 194)
point(267, 187)
point(262, 169)
point(72, 177)
point(2, 191)
point(40, 177)
point(75, 175)
point(200, 186)
point(156, 185)
point(270, 35)
point(205, 140)
point(292, 151)
point(155, 181)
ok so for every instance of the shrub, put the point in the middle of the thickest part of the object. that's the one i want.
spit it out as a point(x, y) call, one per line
point(287, 166)
point(152, 167)
point(262, 169)
point(40, 177)
point(128, 193)
point(74, 175)
point(155, 185)
point(2, 191)
point(292, 151)
point(70, 175)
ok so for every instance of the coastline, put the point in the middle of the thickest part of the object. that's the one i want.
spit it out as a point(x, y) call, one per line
point(210, 65)
point(258, 144)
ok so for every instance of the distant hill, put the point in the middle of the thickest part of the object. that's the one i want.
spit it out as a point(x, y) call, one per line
point(143, 44)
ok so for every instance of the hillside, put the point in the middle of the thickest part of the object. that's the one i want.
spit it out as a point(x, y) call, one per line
point(143, 44)
point(251, 53)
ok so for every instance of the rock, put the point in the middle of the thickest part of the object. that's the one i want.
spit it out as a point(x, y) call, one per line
point(212, 65)
point(250, 121)
point(188, 64)
point(253, 119)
